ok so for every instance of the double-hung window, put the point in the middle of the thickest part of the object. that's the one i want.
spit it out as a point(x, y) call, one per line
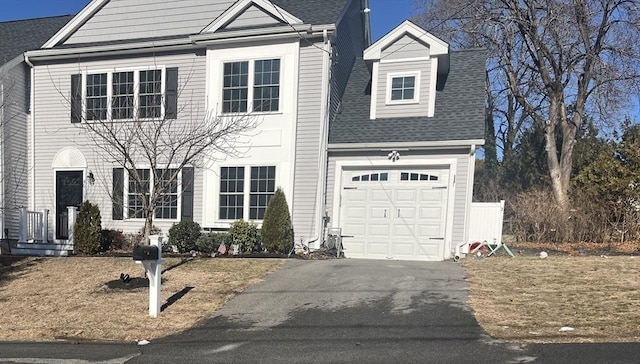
point(139, 190)
point(251, 85)
point(263, 186)
point(167, 205)
point(96, 96)
point(150, 95)
point(124, 95)
point(122, 105)
point(238, 201)
point(141, 185)
point(231, 193)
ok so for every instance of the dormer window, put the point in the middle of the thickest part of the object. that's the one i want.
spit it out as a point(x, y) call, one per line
point(403, 88)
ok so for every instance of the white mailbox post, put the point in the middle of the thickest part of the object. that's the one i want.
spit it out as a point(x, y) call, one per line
point(153, 268)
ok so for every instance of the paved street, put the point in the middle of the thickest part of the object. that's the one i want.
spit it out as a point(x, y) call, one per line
point(336, 311)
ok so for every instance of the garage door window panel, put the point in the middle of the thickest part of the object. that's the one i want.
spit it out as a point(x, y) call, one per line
point(372, 177)
point(410, 176)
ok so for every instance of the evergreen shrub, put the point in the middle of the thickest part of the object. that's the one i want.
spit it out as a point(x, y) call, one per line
point(184, 235)
point(87, 232)
point(276, 226)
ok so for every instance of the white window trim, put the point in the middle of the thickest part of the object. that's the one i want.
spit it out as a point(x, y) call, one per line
point(247, 190)
point(416, 90)
point(251, 85)
point(125, 201)
point(136, 91)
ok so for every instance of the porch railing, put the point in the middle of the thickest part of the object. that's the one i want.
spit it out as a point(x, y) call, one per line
point(33, 226)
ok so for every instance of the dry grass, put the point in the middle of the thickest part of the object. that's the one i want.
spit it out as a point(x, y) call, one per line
point(529, 299)
point(68, 298)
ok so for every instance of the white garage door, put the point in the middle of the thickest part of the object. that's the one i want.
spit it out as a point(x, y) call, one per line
point(394, 214)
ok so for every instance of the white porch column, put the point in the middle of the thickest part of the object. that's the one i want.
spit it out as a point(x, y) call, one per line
point(22, 227)
point(45, 226)
point(72, 213)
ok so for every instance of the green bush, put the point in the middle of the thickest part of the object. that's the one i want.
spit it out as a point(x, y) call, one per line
point(87, 232)
point(245, 234)
point(276, 227)
point(209, 242)
point(184, 235)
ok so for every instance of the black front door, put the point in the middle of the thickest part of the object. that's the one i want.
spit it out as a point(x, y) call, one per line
point(68, 193)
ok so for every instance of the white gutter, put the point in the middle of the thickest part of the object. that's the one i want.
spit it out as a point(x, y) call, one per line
point(112, 49)
point(32, 146)
point(450, 144)
point(187, 43)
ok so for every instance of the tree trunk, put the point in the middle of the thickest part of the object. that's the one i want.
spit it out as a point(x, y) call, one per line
point(558, 172)
point(148, 224)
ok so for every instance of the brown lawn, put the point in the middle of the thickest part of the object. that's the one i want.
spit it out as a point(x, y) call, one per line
point(529, 299)
point(81, 298)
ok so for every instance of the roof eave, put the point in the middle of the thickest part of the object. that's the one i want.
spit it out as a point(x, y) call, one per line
point(419, 145)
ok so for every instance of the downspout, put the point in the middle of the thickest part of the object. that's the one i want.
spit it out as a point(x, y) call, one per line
point(322, 155)
point(32, 141)
point(471, 171)
point(2, 159)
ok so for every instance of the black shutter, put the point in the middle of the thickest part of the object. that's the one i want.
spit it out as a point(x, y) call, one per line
point(76, 98)
point(118, 194)
point(187, 194)
point(171, 94)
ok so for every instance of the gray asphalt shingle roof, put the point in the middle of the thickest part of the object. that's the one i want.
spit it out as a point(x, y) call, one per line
point(313, 11)
point(309, 11)
point(459, 112)
point(19, 36)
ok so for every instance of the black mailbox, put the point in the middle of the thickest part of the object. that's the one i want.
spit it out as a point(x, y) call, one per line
point(145, 252)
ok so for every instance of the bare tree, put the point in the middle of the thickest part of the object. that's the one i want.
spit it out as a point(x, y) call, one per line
point(139, 135)
point(554, 61)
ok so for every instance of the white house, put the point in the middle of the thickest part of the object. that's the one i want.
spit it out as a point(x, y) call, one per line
point(375, 139)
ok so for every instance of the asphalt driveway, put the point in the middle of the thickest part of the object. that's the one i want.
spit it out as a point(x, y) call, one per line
point(342, 311)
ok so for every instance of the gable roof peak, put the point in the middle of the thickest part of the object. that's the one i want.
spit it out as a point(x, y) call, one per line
point(240, 6)
point(437, 46)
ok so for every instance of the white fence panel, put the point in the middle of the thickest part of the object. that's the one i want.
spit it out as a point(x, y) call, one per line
point(485, 222)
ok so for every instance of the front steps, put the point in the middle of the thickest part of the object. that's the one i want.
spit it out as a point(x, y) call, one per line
point(42, 250)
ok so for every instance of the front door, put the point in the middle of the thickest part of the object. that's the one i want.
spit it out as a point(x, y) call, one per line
point(68, 193)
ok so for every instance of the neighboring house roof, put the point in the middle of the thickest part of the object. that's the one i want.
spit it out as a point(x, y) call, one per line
point(459, 107)
point(19, 36)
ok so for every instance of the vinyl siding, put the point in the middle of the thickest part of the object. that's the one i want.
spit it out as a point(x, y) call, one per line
point(348, 44)
point(135, 19)
point(309, 129)
point(460, 205)
point(405, 47)
point(384, 110)
point(54, 130)
point(251, 18)
point(14, 140)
